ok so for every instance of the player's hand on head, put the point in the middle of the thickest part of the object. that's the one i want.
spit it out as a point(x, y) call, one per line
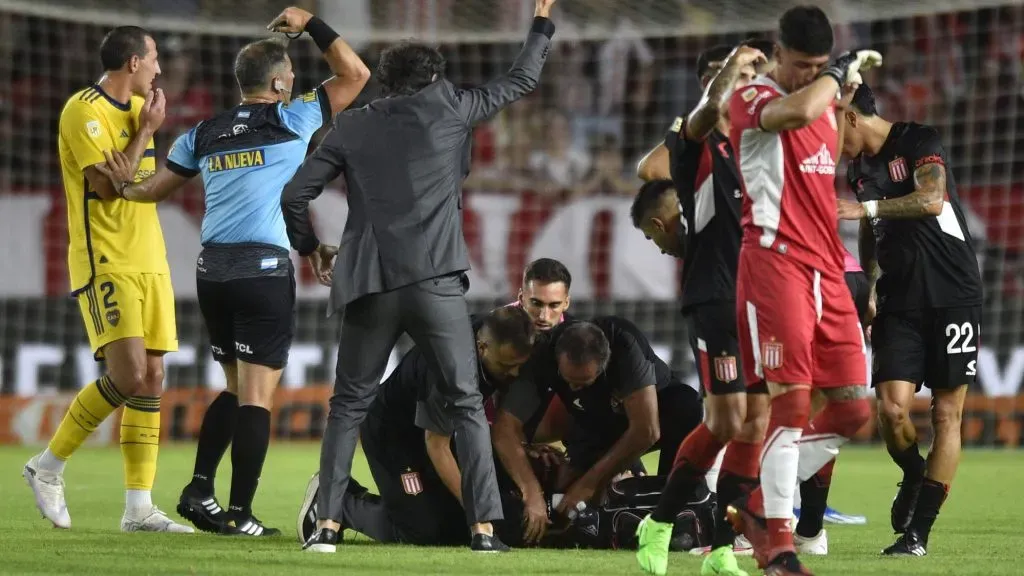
point(747, 56)
point(543, 8)
point(291, 21)
point(849, 210)
point(154, 110)
point(847, 67)
point(846, 96)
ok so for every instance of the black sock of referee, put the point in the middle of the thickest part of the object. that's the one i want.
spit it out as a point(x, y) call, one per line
point(214, 436)
point(249, 450)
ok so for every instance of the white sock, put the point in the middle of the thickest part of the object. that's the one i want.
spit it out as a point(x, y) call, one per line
point(712, 476)
point(49, 462)
point(816, 450)
point(779, 464)
point(138, 500)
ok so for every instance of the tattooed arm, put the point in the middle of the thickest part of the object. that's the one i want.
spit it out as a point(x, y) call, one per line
point(866, 249)
point(709, 110)
point(926, 199)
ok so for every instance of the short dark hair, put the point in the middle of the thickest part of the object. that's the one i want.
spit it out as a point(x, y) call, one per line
point(767, 47)
point(582, 343)
point(407, 68)
point(864, 101)
point(120, 44)
point(256, 61)
point(647, 199)
point(710, 56)
point(511, 325)
point(547, 271)
point(806, 29)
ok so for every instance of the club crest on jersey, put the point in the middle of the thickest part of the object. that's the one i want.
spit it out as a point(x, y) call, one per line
point(93, 128)
point(411, 483)
point(771, 355)
point(749, 94)
point(725, 368)
point(898, 170)
point(113, 317)
point(677, 124)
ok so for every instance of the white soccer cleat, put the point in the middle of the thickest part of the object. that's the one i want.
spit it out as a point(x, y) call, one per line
point(48, 488)
point(742, 547)
point(153, 520)
point(817, 546)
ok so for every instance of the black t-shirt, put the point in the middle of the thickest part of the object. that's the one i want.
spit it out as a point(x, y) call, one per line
point(409, 401)
point(707, 182)
point(925, 262)
point(597, 408)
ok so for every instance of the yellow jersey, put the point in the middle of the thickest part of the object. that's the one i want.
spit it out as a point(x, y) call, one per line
point(105, 236)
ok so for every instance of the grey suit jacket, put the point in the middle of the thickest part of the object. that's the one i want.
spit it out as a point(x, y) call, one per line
point(404, 159)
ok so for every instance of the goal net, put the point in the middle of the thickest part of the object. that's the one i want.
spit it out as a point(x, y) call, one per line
point(552, 175)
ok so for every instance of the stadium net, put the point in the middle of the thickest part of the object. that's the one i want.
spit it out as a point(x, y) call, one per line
point(552, 175)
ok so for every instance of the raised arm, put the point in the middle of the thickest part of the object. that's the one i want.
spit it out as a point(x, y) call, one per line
point(350, 73)
point(318, 170)
point(655, 164)
point(806, 105)
point(478, 104)
point(703, 119)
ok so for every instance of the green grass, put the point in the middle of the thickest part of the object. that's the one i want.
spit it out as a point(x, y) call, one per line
point(977, 533)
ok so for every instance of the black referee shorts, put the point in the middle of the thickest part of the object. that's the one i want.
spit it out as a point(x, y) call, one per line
point(860, 290)
point(716, 349)
point(249, 319)
point(937, 348)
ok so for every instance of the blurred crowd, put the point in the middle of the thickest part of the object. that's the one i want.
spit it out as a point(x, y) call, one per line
point(604, 99)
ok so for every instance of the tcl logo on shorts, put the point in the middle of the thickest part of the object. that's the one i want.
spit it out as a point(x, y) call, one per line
point(217, 350)
point(245, 348)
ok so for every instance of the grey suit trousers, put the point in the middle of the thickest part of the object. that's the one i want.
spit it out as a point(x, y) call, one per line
point(435, 315)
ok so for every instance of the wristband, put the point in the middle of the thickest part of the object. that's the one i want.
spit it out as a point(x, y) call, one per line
point(321, 33)
point(871, 208)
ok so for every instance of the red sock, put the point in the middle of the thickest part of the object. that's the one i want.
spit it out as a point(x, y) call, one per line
point(742, 459)
point(698, 450)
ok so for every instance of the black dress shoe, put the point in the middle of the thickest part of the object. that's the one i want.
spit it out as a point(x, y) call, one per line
point(485, 543)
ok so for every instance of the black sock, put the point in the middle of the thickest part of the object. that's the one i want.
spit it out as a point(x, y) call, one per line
point(730, 488)
point(249, 450)
point(680, 489)
point(910, 461)
point(813, 500)
point(214, 436)
point(933, 494)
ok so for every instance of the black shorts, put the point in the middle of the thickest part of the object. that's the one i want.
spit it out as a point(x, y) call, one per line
point(680, 410)
point(937, 348)
point(716, 349)
point(860, 290)
point(249, 319)
point(424, 511)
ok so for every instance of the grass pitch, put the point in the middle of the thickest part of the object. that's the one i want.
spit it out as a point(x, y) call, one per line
point(978, 532)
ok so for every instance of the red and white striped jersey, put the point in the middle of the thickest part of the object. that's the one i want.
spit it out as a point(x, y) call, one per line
point(789, 201)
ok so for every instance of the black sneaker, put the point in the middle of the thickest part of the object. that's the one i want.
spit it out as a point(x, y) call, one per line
point(202, 510)
point(786, 564)
point(489, 544)
point(245, 525)
point(908, 544)
point(324, 540)
point(305, 525)
point(904, 503)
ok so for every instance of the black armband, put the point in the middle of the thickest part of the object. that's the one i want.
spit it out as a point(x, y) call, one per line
point(321, 33)
point(542, 25)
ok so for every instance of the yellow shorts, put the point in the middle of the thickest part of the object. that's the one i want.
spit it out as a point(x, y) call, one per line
point(128, 305)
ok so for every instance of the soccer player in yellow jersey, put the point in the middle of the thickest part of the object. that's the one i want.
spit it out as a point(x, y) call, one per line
point(119, 273)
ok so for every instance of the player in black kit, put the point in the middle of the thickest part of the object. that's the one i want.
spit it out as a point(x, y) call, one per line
point(621, 396)
point(696, 216)
point(929, 299)
point(407, 441)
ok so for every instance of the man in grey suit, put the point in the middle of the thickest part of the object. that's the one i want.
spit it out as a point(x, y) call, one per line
point(402, 259)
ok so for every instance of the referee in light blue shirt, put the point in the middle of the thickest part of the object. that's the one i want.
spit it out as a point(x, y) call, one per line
point(244, 276)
